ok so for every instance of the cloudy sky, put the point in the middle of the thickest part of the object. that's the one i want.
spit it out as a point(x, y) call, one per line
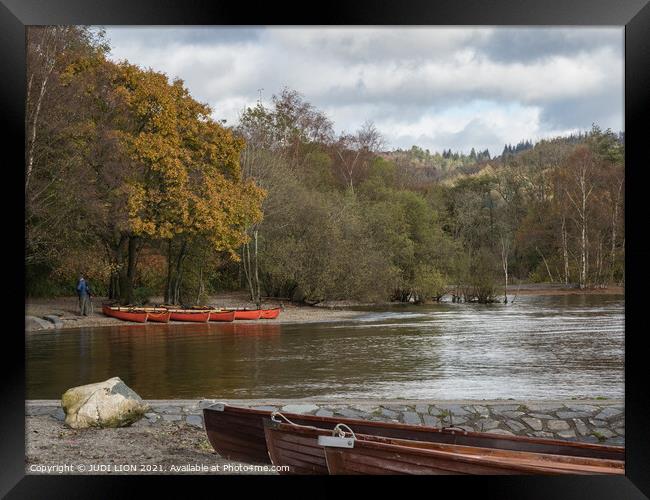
point(438, 88)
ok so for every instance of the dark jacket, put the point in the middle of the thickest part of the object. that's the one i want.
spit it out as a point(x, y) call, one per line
point(83, 288)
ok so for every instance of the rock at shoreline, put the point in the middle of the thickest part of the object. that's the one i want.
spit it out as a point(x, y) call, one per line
point(105, 404)
point(306, 408)
point(33, 323)
point(55, 320)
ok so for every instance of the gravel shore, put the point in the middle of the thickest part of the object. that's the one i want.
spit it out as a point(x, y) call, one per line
point(170, 448)
point(171, 439)
point(67, 309)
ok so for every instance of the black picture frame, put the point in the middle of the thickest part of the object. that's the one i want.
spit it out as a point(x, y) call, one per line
point(633, 14)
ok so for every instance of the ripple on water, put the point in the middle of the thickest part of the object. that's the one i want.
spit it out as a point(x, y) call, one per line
point(539, 347)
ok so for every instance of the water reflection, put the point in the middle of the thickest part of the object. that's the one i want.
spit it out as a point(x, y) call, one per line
point(539, 347)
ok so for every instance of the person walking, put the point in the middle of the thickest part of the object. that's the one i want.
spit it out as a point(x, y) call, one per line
point(84, 292)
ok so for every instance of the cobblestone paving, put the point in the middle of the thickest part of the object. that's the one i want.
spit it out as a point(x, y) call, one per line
point(593, 421)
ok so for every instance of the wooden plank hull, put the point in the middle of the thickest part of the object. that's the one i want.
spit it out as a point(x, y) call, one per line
point(187, 315)
point(237, 436)
point(409, 457)
point(125, 314)
point(248, 314)
point(299, 451)
point(270, 313)
point(247, 425)
point(298, 448)
point(222, 316)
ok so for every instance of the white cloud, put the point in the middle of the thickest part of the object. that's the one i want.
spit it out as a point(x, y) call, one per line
point(420, 84)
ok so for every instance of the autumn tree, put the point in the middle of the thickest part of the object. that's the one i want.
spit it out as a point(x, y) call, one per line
point(63, 64)
point(129, 177)
point(135, 162)
point(185, 180)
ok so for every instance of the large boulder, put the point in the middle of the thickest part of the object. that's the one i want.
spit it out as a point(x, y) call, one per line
point(105, 404)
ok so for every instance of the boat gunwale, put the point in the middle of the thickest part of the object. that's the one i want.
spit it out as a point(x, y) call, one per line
point(525, 465)
point(135, 316)
point(422, 429)
point(524, 462)
point(482, 453)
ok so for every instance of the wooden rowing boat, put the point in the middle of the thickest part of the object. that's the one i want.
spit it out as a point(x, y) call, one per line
point(238, 434)
point(309, 450)
point(270, 313)
point(398, 456)
point(197, 316)
point(125, 313)
point(224, 315)
point(248, 313)
point(296, 448)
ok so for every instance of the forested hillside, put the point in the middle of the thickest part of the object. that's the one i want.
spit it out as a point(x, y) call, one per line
point(129, 179)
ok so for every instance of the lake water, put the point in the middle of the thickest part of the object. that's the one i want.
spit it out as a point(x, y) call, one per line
point(537, 348)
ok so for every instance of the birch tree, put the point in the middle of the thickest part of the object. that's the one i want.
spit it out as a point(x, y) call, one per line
point(580, 183)
point(355, 151)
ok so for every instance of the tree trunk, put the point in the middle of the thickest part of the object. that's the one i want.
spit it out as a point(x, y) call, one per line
point(128, 274)
point(49, 48)
point(115, 249)
point(614, 220)
point(120, 257)
point(201, 288)
point(32, 134)
point(599, 262)
point(168, 284)
point(251, 269)
point(583, 257)
point(246, 260)
point(258, 294)
point(565, 252)
point(580, 206)
point(548, 270)
point(175, 271)
point(178, 277)
point(114, 287)
point(505, 250)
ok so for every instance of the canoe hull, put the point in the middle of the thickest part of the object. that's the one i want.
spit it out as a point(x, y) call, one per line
point(195, 317)
point(159, 317)
point(246, 424)
point(125, 314)
point(222, 316)
point(248, 314)
point(270, 313)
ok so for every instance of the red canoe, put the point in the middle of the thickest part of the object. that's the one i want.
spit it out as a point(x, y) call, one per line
point(125, 314)
point(248, 313)
point(196, 316)
point(222, 315)
point(270, 313)
point(158, 316)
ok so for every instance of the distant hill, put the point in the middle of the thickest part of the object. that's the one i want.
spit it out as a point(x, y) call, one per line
point(419, 167)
